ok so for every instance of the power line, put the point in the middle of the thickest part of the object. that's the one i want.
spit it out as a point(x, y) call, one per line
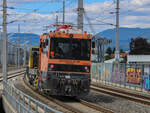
point(90, 25)
point(22, 16)
point(130, 11)
point(105, 23)
point(105, 10)
point(23, 1)
point(20, 8)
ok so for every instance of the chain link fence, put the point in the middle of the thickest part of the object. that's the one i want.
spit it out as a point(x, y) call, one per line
point(134, 76)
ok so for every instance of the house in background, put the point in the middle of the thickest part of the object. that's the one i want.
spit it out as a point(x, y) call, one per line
point(142, 60)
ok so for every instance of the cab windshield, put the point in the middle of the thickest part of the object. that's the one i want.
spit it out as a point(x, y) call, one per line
point(67, 48)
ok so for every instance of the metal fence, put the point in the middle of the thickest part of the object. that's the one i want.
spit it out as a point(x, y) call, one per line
point(135, 76)
point(12, 53)
point(23, 103)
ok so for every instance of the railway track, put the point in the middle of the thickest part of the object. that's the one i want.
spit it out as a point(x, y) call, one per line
point(102, 109)
point(13, 74)
point(80, 104)
point(71, 104)
point(123, 94)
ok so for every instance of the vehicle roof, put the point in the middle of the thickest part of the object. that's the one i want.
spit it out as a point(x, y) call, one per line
point(67, 35)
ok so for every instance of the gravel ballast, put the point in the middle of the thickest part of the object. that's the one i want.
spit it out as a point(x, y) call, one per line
point(119, 105)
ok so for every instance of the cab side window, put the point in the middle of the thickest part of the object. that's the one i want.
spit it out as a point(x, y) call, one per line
point(46, 46)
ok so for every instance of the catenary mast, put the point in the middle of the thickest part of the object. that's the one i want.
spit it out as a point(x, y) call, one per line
point(80, 14)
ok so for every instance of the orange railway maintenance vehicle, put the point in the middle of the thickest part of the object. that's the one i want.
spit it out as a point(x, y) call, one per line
point(62, 63)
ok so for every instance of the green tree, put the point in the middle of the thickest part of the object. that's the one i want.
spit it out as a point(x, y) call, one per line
point(114, 49)
point(139, 46)
point(109, 51)
point(121, 51)
point(107, 57)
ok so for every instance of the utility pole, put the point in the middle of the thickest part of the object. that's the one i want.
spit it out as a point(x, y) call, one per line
point(1, 34)
point(63, 12)
point(4, 70)
point(29, 39)
point(117, 32)
point(80, 14)
point(1, 46)
point(56, 19)
point(16, 54)
point(18, 46)
point(24, 64)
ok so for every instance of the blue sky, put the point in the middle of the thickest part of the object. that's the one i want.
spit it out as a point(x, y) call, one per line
point(133, 13)
point(47, 7)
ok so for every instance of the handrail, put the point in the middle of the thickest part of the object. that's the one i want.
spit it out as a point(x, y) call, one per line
point(21, 102)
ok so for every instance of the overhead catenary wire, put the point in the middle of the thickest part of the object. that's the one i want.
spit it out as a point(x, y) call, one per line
point(99, 20)
point(103, 23)
point(109, 6)
point(21, 8)
point(52, 12)
point(90, 25)
point(22, 16)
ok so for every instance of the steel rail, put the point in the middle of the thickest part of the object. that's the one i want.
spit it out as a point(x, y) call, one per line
point(122, 94)
point(14, 74)
point(98, 108)
point(69, 107)
point(24, 103)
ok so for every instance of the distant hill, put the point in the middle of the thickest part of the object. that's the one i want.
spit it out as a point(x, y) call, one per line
point(32, 39)
point(125, 34)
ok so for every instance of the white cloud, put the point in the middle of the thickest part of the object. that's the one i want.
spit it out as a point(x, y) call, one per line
point(30, 1)
point(33, 22)
point(140, 2)
point(133, 13)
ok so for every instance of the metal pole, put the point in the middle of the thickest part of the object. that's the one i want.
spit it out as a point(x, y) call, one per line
point(98, 52)
point(80, 14)
point(117, 32)
point(1, 38)
point(56, 19)
point(63, 12)
point(1, 34)
point(24, 64)
point(103, 47)
point(18, 46)
point(4, 70)
point(15, 47)
point(29, 38)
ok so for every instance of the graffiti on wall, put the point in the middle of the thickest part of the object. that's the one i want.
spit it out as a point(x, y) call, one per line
point(106, 72)
point(95, 71)
point(147, 82)
point(101, 71)
point(118, 74)
point(133, 75)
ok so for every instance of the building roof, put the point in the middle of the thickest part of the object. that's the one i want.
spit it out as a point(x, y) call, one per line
point(138, 58)
point(122, 55)
point(112, 60)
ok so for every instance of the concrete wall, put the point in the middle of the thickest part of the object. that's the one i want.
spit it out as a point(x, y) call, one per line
point(1, 103)
point(6, 105)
